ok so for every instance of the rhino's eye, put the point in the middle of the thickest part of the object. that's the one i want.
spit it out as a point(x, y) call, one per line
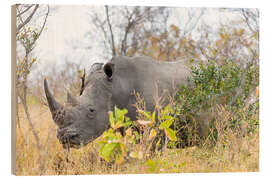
point(91, 110)
point(91, 113)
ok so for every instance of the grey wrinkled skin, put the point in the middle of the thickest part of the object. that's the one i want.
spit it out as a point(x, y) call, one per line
point(84, 118)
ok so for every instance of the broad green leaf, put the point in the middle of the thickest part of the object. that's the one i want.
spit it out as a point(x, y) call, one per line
point(127, 119)
point(107, 149)
point(170, 134)
point(118, 125)
point(119, 114)
point(127, 124)
point(166, 124)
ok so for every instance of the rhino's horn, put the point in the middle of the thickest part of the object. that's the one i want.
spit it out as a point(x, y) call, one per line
point(53, 104)
point(72, 100)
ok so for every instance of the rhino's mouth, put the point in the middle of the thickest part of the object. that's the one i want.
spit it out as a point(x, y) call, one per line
point(70, 140)
point(74, 141)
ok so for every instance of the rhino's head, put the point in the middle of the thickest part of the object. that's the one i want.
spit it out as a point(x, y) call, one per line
point(83, 118)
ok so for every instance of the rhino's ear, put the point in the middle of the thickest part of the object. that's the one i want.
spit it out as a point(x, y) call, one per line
point(109, 70)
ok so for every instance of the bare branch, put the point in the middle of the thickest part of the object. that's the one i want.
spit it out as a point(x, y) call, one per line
point(25, 10)
point(27, 19)
point(131, 23)
point(41, 30)
point(44, 21)
point(193, 20)
point(124, 41)
point(110, 27)
point(100, 24)
point(251, 17)
point(20, 18)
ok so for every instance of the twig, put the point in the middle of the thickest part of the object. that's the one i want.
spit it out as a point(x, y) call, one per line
point(110, 27)
point(27, 19)
point(247, 20)
point(26, 9)
point(41, 30)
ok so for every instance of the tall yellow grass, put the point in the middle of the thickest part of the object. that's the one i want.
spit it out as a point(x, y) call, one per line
point(232, 153)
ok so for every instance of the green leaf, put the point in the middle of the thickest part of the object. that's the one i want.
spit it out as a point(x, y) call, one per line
point(166, 124)
point(111, 118)
point(167, 109)
point(107, 149)
point(154, 116)
point(127, 118)
point(127, 124)
point(118, 125)
point(120, 114)
point(170, 134)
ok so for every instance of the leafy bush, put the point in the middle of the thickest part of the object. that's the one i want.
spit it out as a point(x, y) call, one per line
point(213, 85)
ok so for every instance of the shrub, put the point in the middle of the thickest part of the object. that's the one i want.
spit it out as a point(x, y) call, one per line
point(213, 85)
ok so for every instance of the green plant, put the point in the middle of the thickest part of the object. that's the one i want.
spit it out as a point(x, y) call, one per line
point(212, 85)
point(113, 143)
point(157, 128)
point(115, 147)
point(164, 123)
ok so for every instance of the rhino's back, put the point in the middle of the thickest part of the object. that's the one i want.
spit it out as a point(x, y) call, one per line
point(149, 77)
point(145, 68)
point(162, 76)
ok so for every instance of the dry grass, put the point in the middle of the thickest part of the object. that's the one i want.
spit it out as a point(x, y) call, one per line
point(232, 153)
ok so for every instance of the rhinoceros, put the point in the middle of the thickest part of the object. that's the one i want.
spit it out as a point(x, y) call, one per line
point(113, 84)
